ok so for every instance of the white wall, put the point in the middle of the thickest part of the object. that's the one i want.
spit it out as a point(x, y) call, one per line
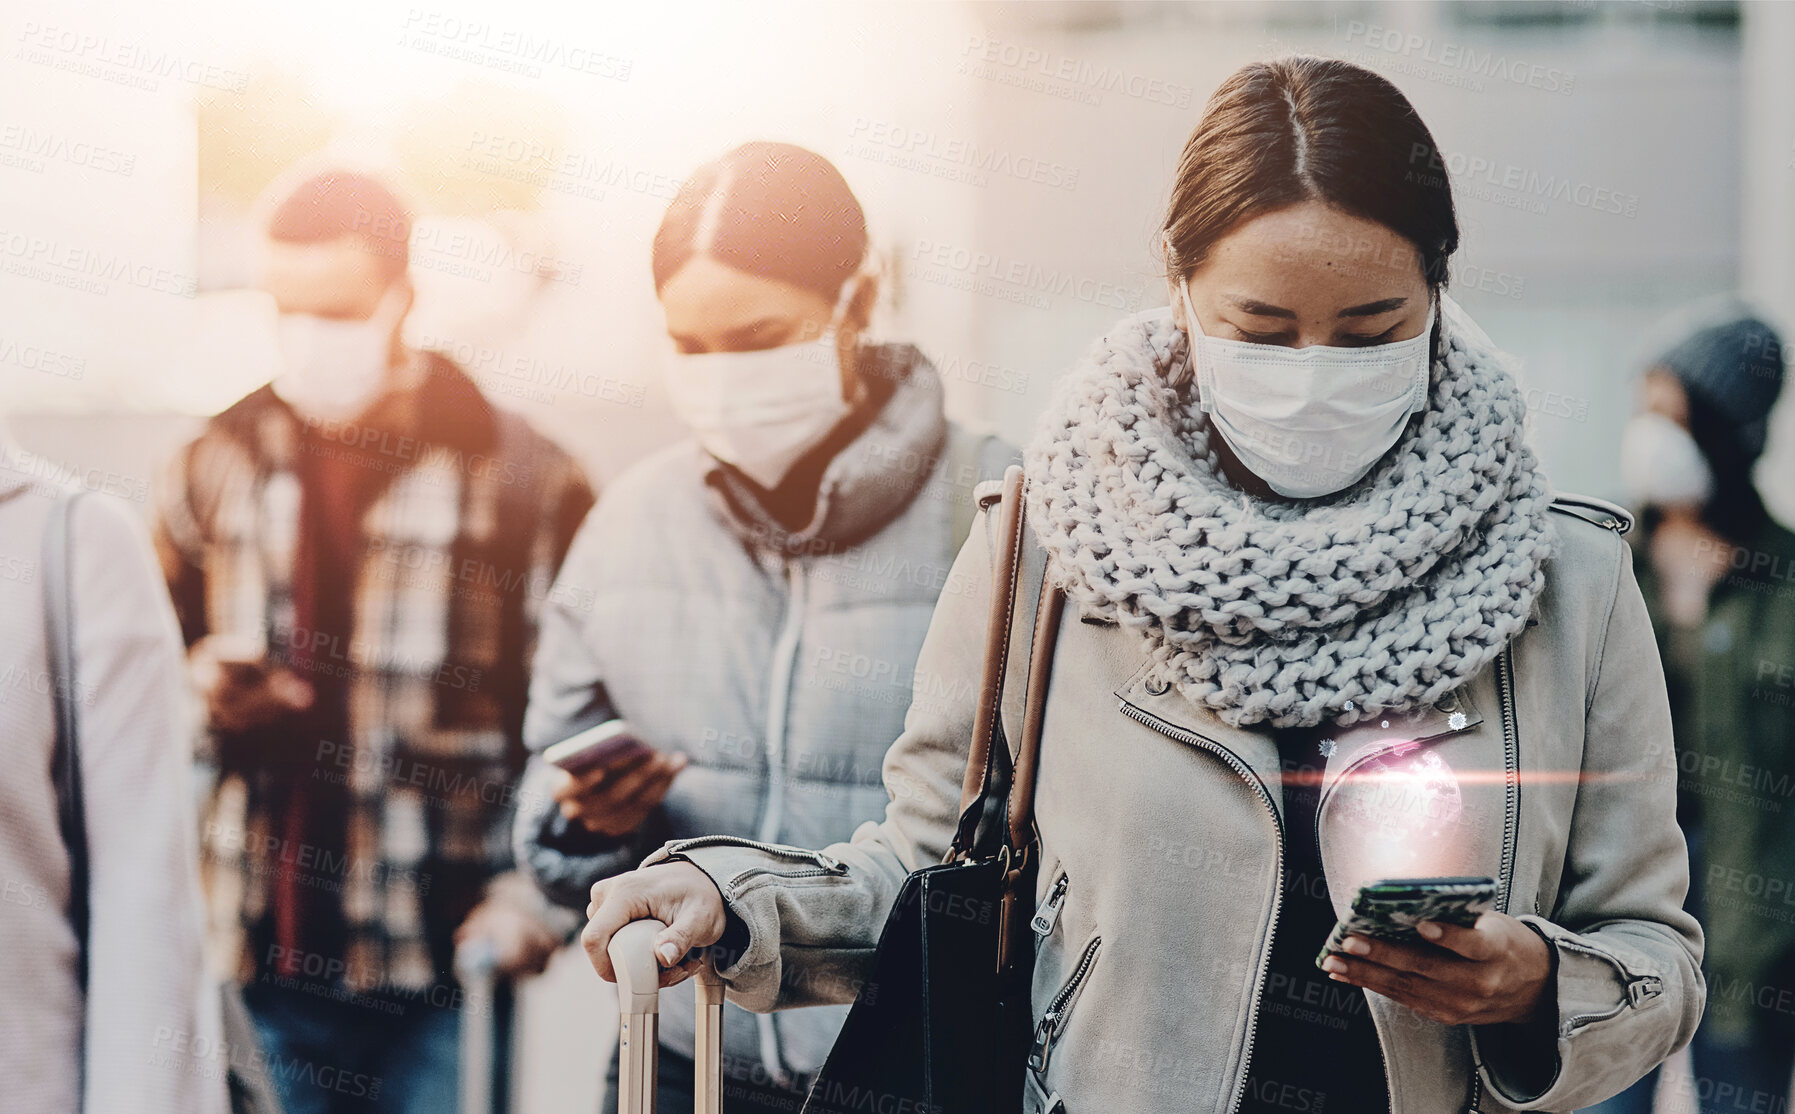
point(1768, 246)
point(1002, 279)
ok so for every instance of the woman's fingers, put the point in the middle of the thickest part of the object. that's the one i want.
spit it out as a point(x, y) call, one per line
point(672, 976)
point(1419, 959)
point(589, 781)
point(1498, 970)
point(1480, 941)
point(609, 913)
point(697, 920)
point(629, 788)
point(615, 801)
point(676, 893)
point(1431, 999)
point(621, 806)
point(654, 789)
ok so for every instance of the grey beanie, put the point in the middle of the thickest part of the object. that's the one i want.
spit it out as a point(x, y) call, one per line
point(1736, 367)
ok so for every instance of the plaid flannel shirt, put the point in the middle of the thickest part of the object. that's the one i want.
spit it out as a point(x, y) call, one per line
point(462, 545)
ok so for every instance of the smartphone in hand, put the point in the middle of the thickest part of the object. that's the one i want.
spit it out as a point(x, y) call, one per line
point(1391, 908)
point(608, 744)
point(242, 661)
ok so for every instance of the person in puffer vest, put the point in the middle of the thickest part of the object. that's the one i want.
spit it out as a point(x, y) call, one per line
point(751, 600)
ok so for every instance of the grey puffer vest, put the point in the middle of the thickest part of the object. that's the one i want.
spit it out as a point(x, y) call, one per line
point(780, 662)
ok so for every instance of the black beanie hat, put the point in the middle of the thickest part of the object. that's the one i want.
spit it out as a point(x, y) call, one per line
point(1736, 367)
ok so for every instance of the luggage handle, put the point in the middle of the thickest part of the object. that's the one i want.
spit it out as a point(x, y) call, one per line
point(639, 1004)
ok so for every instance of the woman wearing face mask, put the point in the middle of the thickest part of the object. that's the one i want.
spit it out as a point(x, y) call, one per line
point(1333, 629)
point(1718, 575)
point(751, 601)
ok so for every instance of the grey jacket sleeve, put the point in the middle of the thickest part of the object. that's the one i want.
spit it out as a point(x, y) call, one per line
point(813, 918)
point(1627, 956)
point(567, 695)
point(563, 858)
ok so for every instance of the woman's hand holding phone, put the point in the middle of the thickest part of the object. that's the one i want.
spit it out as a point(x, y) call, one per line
point(1495, 971)
point(241, 690)
point(610, 781)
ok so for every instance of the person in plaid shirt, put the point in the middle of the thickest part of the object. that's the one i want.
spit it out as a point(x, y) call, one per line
point(357, 553)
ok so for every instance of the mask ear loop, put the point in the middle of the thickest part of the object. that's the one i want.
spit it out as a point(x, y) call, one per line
point(1436, 350)
point(851, 286)
point(1184, 373)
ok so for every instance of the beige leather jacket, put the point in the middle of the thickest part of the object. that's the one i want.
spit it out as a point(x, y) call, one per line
point(1552, 772)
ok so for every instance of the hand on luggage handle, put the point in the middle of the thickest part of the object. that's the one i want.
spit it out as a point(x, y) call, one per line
point(639, 1002)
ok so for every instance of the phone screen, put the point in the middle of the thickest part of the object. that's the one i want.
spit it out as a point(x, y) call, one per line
point(243, 671)
point(605, 745)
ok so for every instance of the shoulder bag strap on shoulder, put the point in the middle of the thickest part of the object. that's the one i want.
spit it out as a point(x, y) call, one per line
point(1023, 608)
point(999, 623)
point(59, 642)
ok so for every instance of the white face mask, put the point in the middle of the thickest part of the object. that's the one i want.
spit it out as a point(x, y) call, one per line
point(1308, 421)
point(1661, 464)
point(331, 369)
point(762, 410)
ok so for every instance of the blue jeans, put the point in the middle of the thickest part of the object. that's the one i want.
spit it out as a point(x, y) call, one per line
point(327, 1056)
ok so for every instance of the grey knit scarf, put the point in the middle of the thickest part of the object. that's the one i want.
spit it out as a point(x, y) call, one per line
point(1382, 598)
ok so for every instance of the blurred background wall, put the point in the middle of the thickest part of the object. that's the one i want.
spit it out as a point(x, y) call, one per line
point(1613, 161)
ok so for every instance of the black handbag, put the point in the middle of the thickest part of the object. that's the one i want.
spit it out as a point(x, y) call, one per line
point(943, 1023)
point(251, 1091)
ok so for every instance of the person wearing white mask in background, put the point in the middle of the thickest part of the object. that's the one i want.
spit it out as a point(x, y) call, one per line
point(1718, 574)
point(1332, 627)
point(750, 600)
point(357, 553)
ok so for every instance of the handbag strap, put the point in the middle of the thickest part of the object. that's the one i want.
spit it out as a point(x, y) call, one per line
point(71, 808)
point(1022, 602)
point(976, 784)
point(1051, 607)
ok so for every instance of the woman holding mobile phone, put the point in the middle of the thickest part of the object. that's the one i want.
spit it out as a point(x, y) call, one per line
point(749, 602)
point(1334, 629)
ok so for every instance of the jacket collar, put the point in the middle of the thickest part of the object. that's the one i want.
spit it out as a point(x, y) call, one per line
point(446, 409)
point(1255, 749)
point(867, 483)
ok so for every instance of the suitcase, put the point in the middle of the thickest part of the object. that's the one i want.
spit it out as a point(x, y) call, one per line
point(639, 1006)
point(476, 967)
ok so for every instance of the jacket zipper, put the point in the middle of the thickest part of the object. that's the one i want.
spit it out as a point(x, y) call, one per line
point(1378, 1037)
point(779, 697)
point(1049, 913)
point(1048, 1030)
point(1640, 989)
point(1511, 771)
point(824, 864)
point(1511, 820)
point(1320, 804)
point(831, 864)
point(1191, 738)
point(1375, 752)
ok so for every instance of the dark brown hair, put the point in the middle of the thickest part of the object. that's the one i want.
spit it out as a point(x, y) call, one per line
point(771, 209)
point(336, 203)
point(1311, 129)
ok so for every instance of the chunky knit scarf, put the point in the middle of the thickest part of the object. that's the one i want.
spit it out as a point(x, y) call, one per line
point(1382, 598)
